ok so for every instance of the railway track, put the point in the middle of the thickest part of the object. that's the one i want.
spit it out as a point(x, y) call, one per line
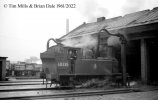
point(42, 92)
point(71, 94)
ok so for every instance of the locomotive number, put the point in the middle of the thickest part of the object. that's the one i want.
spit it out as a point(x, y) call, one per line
point(63, 64)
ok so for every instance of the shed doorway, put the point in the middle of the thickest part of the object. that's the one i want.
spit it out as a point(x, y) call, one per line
point(133, 59)
point(153, 61)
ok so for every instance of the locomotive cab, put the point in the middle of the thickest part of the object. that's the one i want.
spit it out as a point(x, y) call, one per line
point(59, 63)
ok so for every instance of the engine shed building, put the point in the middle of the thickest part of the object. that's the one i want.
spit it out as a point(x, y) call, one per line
point(141, 31)
point(2, 68)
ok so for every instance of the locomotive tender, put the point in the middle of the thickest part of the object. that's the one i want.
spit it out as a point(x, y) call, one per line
point(66, 65)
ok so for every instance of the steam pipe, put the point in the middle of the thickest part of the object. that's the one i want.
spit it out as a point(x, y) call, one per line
point(123, 52)
point(55, 40)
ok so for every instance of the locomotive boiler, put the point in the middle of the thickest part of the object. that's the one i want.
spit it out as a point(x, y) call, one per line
point(67, 66)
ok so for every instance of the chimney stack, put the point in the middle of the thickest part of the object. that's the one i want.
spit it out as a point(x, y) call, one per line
point(100, 19)
point(67, 26)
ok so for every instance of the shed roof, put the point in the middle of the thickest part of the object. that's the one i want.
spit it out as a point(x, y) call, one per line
point(3, 57)
point(132, 19)
point(150, 17)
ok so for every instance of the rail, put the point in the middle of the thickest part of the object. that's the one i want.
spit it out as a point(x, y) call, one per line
point(73, 94)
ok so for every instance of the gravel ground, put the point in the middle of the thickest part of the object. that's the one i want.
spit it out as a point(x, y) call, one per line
point(149, 95)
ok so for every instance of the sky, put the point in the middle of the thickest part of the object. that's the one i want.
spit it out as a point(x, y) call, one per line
point(24, 31)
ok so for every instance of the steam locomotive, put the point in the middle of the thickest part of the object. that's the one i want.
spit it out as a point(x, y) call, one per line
point(66, 65)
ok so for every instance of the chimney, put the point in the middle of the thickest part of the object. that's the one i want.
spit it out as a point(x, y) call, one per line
point(67, 26)
point(100, 19)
